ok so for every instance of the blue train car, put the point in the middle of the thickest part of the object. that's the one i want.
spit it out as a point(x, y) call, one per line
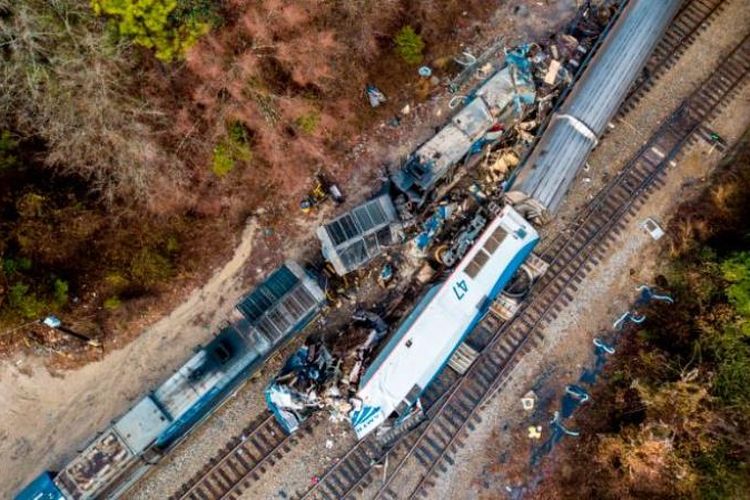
point(41, 488)
point(425, 340)
point(264, 319)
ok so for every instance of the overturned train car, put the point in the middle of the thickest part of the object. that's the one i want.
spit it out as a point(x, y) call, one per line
point(263, 320)
point(574, 130)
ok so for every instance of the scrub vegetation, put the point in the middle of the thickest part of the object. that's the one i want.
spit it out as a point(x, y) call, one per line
point(672, 416)
point(136, 137)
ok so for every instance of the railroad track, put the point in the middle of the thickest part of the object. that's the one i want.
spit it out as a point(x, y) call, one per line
point(263, 442)
point(427, 451)
point(693, 18)
point(241, 462)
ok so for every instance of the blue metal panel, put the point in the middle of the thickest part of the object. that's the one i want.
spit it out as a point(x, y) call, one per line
point(267, 293)
point(226, 354)
point(41, 488)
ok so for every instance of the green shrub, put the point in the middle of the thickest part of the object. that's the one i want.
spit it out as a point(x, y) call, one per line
point(8, 146)
point(60, 292)
point(233, 148)
point(150, 268)
point(12, 266)
point(308, 122)
point(112, 303)
point(24, 302)
point(167, 26)
point(409, 45)
point(223, 161)
point(736, 271)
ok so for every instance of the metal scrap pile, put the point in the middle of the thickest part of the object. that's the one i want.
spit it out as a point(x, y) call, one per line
point(538, 74)
point(317, 377)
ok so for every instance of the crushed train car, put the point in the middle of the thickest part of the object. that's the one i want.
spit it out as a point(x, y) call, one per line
point(305, 384)
point(317, 377)
point(502, 99)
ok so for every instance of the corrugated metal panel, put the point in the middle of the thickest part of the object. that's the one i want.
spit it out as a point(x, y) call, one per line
point(268, 293)
point(278, 306)
point(550, 170)
point(354, 238)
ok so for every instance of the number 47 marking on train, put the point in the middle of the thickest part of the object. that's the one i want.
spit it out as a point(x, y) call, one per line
point(460, 289)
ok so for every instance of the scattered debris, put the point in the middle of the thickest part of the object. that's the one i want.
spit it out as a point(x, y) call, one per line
point(307, 378)
point(375, 96)
point(535, 432)
point(633, 317)
point(425, 71)
point(318, 377)
point(557, 424)
point(386, 275)
point(604, 347)
point(528, 401)
point(647, 295)
point(321, 190)
point(652, 228)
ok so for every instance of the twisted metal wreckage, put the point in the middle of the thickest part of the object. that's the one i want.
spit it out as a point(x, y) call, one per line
point(439, 221)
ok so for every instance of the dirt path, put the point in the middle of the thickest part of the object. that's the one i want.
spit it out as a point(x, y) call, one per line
point(46, 416)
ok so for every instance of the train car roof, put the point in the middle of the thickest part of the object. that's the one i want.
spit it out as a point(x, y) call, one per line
point(281, 304)
point(219, 361)
point(141, 425)
point(95, 467)
point(41, 488)
point(427, 337)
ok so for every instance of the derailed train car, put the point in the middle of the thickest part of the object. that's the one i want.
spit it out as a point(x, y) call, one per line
point(264, 319)
point(574, 131)
point(425, 340)
point(499, 100)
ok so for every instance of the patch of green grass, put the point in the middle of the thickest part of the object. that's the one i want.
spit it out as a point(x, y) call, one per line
point(8, 147)
point(24, 302)
point(60, 292)
point(223, 161)
point(235, 147)
point(149, 268)
point(112, 303)
point(721, 477)
point(308, 122)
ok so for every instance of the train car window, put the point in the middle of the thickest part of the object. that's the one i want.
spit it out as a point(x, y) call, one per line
point(497, 237)
point(371, 241)
point(477, 263)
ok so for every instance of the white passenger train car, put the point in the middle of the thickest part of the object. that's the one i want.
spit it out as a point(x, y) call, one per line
point(433, 330)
